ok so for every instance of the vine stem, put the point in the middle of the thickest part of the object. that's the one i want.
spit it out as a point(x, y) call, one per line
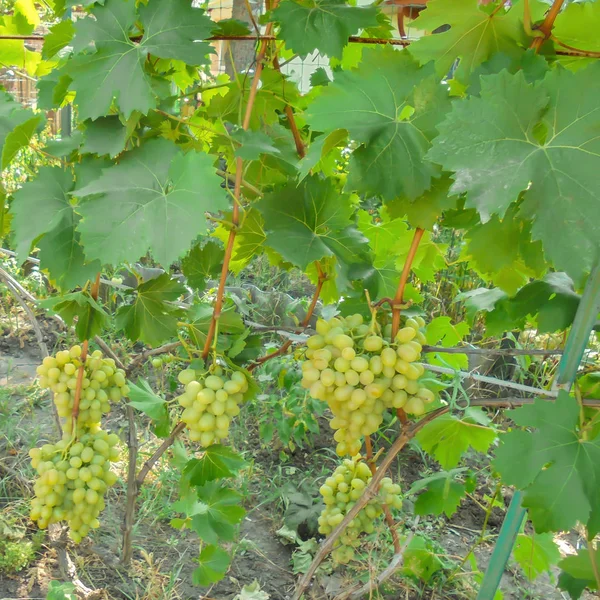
point(82, 358)
point(370, 492)
point(322, 278)
point(389, 519)
point(235, 219)
point(546, 26)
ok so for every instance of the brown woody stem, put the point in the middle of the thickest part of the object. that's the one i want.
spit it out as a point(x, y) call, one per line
point(546, 26)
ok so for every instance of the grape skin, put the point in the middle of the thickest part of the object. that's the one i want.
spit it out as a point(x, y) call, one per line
point(340, 492)
point(360, 375)
point(210, 401)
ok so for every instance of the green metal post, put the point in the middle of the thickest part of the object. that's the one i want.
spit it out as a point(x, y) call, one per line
point(577, 341)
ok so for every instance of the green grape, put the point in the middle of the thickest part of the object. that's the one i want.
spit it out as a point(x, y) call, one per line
point(340, 491)
point(360, 375)
point(102, 382)
point(210, 401)
point(71, 481)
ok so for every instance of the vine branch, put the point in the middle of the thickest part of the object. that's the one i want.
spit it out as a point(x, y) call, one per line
point(546, 27)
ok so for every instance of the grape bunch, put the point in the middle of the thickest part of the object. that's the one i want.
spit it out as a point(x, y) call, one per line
point(211, 399)
point(102, 383)
point(360, 375)
point(73, 477)
point(340, 492)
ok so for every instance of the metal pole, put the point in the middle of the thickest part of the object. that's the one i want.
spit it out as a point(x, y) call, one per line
point(577, 341)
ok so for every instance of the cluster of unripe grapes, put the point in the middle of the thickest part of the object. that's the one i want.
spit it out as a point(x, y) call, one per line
point(360, 375)
point(72, 480)
point(211, 399)
point(340, 492)
point(102, 383)
point(74, 473)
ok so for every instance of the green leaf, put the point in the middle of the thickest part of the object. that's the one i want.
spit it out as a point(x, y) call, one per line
point(420, 560)
point(230, 322)
point(311, 221)
point(536, 554)
point(215, 513)
point(113, 70)
point(17, 125)
point(91, 317)
point(370, 102)
point(202, 263)
point(253, 144)
point(580, 568)
point(214, 563)
point(105, 135)
point(475, 34)
point(425, 211)
point(323, 25)
point(275, 92)
point(575, 587)
point(230, 27)
point(151, 318)
point(61, 591)
point(443, 495)
point(143, 398)
point(442, 331)
point(493, 145)
point(447, 438)
point(59, 36)
point(154, 200)
point(480, 299)
point(558, 469)
point(217, 462)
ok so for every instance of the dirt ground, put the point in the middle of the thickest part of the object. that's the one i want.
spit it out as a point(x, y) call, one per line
point(164, 558)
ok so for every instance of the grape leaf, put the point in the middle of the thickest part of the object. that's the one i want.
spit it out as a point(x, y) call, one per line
point(202, 263)
point(391, 107)
point(310, 221)
point(17, 125)
point(150, 318)
point(447, 438)
point(229, 27)
point(214, 563)
point(14, 52)
point(475, 34)
point(420, 559)
point(91, 317)
point(253, 144)
point(114, 68)
point(580, 571)
point(323, 25)
point(480, 299)
point(274, 93)
point(536, 137)
point(443, 495)
point(558, 469)
point(143, 398)
point(217, 462)
point(42, 211)
point(230, 322)
point(214, 513)
point(154, 200)
point(59, 36)
point(425, 211)
point(105, 135)
point(536, 553)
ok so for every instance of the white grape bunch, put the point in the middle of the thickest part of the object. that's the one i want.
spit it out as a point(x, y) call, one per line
point(340, 492)
point(360, 375)
point(102, 383)
point(73, 476)
point(210, 400)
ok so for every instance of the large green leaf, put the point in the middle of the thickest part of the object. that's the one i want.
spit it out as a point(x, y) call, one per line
point(322, 25)
point(143, 398)
point(443, 494)
point(447, 438)
point(152, 318)
point(578, 572)
point(214, 563)
point(154, 200)
point(111, 66)
point(216, 462)
point(105, 135)
point(17, 125)
point(476, 32)
point(59, 36)
point(541, 139)
point(311, 221)
point(536, 553)
point(555, 465)
point(42, 212)
point(391, 107)
point(202, 263)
